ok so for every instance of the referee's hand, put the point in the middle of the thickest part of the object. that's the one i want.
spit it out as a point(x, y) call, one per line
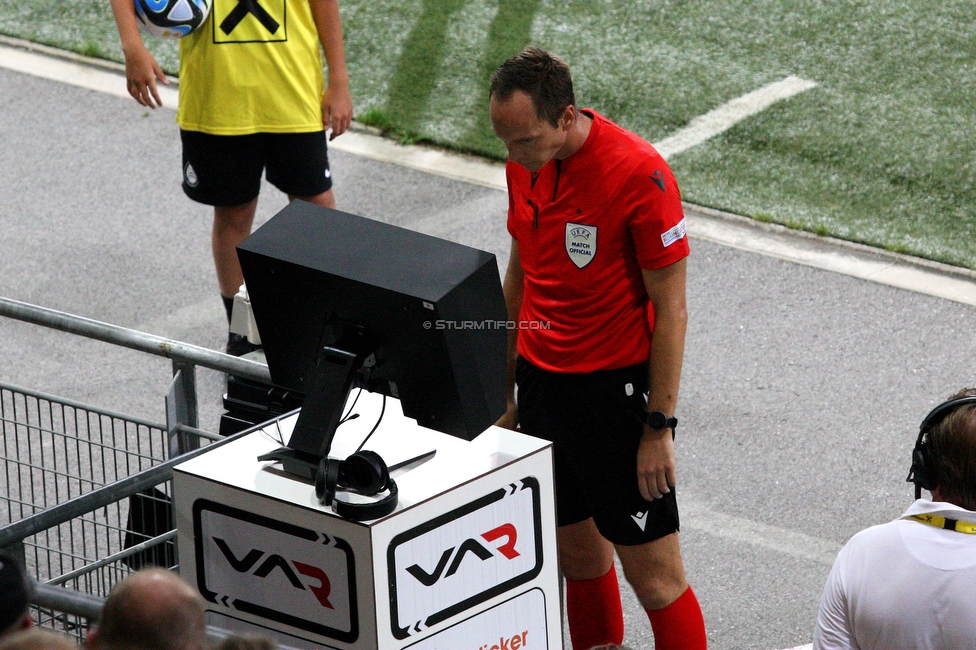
point(510, 419)
point(655, 464)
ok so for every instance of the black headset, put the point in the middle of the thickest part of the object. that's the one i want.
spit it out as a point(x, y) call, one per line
point(364, 473)
point(921, 472)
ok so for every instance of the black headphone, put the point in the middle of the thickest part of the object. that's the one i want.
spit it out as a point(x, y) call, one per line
point(921, 472)
point(364, 473)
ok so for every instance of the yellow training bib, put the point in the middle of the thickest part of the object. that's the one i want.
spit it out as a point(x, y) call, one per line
point(254, 66)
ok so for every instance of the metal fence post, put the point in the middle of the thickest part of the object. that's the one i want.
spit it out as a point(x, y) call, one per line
point(181, 408)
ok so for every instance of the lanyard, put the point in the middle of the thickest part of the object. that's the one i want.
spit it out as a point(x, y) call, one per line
point(948, 524)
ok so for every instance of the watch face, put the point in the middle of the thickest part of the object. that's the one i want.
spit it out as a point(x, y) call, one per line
point(657, 420)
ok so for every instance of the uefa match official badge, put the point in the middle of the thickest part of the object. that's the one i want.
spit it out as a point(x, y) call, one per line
point(580, 243)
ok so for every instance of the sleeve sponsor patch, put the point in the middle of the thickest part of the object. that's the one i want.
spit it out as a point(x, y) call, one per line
point(673, 235)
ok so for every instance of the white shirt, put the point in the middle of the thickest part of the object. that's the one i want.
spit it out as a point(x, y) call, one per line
point(904, 584)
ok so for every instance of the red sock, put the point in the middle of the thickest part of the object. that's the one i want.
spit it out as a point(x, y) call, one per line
point(594, 611)
point(680, 625)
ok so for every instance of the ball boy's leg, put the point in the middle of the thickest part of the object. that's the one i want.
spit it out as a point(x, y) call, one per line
point(326, 199)
point(231, 226)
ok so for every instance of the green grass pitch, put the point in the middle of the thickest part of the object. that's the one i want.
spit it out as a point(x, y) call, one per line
point(881, 152)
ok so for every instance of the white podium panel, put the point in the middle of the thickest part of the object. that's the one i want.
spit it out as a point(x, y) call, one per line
point(467, 560)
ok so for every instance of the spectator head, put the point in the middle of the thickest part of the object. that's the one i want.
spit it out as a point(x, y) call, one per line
point(151, 609)
point(951, 454)
point(37, 639)
point(16, 595)
point(543, 76)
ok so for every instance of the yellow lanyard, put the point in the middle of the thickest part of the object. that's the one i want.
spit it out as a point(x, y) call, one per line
point(948, 524)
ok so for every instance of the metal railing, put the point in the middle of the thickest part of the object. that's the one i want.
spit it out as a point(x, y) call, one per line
point(86, 489)
point(185, 356)
point(70, 602)
point(180, 352)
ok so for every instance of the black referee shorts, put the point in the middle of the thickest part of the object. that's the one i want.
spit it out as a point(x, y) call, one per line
point(595, 422)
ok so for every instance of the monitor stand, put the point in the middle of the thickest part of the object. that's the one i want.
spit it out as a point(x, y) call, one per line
point(325, 400)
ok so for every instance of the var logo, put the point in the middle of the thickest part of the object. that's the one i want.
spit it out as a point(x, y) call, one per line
point(473, 546)
point(273, 561)
point(277, 574)
point(465, 557)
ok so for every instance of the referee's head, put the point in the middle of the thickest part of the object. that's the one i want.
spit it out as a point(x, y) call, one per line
point(544, 76)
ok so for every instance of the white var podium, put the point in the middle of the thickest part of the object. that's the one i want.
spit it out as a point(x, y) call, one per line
point(467, 560)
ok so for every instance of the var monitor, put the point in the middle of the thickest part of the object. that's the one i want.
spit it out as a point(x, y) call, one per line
point(342, 300)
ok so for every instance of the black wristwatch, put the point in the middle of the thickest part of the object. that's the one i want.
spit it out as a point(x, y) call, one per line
point(657, 421)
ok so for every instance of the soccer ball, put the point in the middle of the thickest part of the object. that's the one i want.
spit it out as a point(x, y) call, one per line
point(171, 18)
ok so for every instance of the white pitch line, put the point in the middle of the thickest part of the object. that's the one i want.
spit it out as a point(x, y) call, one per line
point(903, 272)
point(443, 163)
point(698, 517)
point(729, 114)
point(75, 73)
point(477, 171)
point(858, 261)
point(83, 72)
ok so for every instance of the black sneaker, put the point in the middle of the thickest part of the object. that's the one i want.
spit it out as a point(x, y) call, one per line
point(238, 345)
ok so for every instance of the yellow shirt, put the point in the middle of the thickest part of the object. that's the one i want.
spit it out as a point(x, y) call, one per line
point(254, 66)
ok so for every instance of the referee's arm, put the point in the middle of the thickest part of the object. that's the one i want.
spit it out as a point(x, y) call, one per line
point(655, 457)
point(513, 287)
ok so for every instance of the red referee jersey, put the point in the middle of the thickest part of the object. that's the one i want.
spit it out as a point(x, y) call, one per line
point(586, 226)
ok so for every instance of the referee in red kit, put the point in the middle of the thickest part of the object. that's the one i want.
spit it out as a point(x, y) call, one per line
point(598, 263)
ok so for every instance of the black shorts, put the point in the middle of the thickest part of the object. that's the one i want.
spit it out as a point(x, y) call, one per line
point(595, 423)
point(225, 170)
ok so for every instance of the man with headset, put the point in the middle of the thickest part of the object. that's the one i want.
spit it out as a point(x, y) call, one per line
point(910, 583)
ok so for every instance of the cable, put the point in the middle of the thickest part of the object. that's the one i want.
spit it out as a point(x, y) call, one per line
point(347, 417)
point(375, 426)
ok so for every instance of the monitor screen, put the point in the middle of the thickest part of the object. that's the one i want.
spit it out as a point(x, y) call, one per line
point(342, 300)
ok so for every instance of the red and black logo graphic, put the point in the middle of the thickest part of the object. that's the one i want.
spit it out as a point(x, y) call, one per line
point(465, 557)
point(275, 570)
point(475, 546)
point(273, 561)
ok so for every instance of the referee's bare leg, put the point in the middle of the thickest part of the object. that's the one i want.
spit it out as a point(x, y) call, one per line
point(654, 570)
